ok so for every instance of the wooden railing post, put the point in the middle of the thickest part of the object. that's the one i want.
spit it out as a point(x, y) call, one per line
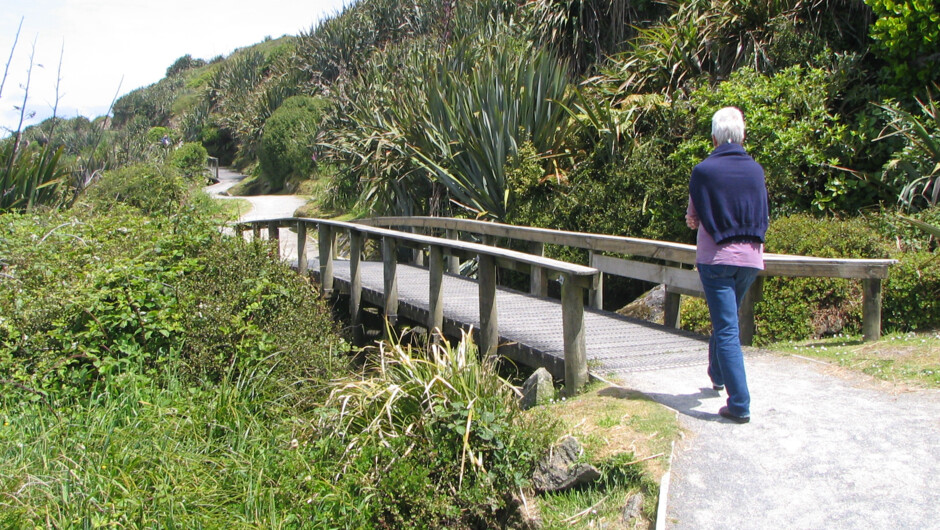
point(435, 290)
point(596, 294)
point(572, 313)
point(538, 276)
point(274, 235)
point(671, 302)
point(390, 261)
point(746, 313)
point(453, 262)
point(871, 309)
point(489, 323)
point(302, 248)
point(355, 286)
point(326, 241)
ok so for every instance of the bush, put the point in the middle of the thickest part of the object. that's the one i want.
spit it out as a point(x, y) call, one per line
point(191, 159)
point(140, 293)
point(911, 299)
point(289, 139)
point(153, 189)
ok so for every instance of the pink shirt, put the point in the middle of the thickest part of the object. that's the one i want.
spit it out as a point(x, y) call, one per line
point(737, 253)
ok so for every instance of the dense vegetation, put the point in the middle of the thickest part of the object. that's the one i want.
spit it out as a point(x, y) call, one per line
point(155, 372)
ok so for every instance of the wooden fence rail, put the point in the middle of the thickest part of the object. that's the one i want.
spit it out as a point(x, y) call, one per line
point(660, 262)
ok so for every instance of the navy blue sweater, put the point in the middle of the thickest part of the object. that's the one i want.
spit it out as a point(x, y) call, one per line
point(730, 196)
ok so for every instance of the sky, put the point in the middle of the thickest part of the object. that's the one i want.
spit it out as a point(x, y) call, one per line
point(110, 47)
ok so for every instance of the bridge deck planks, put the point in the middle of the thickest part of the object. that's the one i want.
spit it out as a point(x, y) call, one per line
point(530, 327)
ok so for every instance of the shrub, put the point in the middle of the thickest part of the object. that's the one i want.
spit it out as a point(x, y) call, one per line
point(151, 188)
point(140, 293)
point(911, 299)
point(288, 142)
point(191, 159)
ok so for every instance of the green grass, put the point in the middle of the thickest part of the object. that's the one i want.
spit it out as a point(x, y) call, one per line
point(901, 358)
point(149, 457)
point(625, 435)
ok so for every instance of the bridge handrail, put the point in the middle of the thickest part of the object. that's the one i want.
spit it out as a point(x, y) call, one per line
point(575, 279)
point(678, 280)
point(775, 264)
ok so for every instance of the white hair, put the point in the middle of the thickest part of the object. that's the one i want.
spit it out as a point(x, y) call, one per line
point(728, 126)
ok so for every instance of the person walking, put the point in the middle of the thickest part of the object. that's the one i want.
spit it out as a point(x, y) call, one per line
point(728, 206)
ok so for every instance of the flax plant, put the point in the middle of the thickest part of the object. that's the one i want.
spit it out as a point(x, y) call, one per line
point(409, 396)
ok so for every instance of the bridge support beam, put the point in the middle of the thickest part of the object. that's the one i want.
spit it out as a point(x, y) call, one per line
point(871, 309)
point(453, 262)
point(671, 303)
point(746, 313)
point(538, 276)
point(326, 241)
point(355, 286)
point(435, 290)
point(274, 235)
point(302, 248)
point(390, 272)
point(572, 313)
point(489, 323)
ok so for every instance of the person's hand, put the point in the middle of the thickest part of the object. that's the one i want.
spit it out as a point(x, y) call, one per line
point(692, 222)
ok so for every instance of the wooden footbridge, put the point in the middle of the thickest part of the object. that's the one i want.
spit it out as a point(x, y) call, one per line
point(562, 335)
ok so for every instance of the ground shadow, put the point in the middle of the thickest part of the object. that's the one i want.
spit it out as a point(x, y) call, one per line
point(682, 403)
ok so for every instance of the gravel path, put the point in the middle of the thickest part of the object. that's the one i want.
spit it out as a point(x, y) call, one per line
point(824, 449)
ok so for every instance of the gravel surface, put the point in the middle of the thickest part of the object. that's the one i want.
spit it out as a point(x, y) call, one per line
point(824, 449)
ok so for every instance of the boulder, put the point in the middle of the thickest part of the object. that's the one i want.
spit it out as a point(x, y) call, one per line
point(538, 389)
point(560, 470)
point(648, 307)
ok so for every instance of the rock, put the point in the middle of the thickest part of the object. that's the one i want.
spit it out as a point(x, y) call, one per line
point(538, 389)
point(633, 509)
point(649, 306)
point(560, 470)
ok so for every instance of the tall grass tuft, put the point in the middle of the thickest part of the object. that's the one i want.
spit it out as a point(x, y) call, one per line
point(445, 414)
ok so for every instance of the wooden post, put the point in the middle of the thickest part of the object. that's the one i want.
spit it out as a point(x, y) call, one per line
point(390, 261)
point(596, 294)
point(871, 309)
point(436, 291)
point(671, 308)
point(538, 277)
point(355, 286)
point(302, 248)
point(453, 262)
point(572, 314)
point(274, 235)
point(746, 312)
point(489, 323)
point(256, 230)
point(326, 258)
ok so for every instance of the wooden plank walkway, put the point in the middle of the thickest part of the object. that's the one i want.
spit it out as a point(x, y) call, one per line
point(530, 327)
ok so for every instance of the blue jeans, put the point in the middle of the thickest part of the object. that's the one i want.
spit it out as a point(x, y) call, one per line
point(725, 286)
